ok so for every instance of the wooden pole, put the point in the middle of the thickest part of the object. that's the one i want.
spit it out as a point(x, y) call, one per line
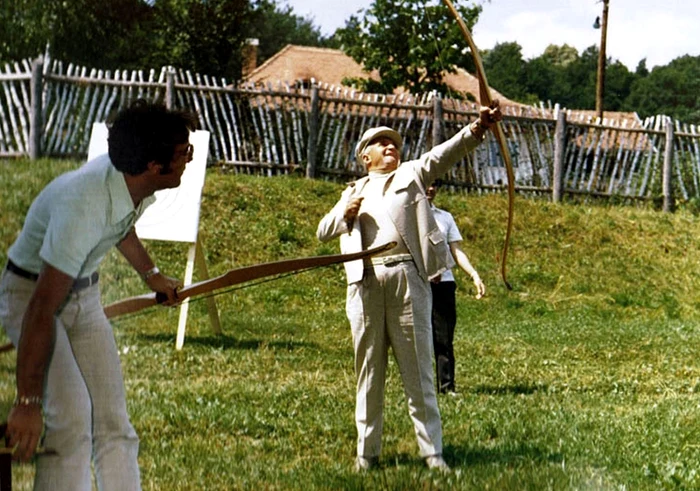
point(559, 154)
point(36, 129)
point(170, 88)
point(312, 145)
point(669, 204)
point(600, 82)
point(438, 127)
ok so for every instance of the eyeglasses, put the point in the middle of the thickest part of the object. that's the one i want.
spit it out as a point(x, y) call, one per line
point(185, 153)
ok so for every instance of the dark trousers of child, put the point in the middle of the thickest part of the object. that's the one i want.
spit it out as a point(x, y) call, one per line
point(444, 318)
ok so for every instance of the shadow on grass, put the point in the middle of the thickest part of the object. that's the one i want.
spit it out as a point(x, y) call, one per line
point(458, 457)
point(466, 457)
point(229, 342)
point(514, 389)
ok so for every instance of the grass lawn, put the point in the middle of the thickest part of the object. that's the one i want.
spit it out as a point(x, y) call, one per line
point(584, 376)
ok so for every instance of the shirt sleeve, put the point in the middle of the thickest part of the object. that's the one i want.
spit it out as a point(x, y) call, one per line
point(452, 234)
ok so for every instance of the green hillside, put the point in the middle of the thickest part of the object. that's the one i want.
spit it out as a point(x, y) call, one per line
point(584, 376)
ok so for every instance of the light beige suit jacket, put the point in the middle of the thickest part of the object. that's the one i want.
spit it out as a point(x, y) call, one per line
point(408, 208)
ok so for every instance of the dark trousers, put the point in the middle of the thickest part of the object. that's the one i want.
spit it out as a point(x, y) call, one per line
point(444, 320)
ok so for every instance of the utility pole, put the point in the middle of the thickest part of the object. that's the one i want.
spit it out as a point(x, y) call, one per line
point(600, 82)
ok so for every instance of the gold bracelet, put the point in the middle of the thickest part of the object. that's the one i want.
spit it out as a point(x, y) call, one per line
point(27, 401)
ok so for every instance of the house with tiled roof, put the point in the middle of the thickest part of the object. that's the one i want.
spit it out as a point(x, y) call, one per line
point(303, 65)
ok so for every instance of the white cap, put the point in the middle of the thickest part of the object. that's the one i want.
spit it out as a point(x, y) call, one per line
point(374, 133)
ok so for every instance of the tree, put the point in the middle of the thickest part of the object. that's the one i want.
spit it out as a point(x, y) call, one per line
point(560, 56)
point(673, 90)
point(642, 70)
point(506, 70)
point(204, 36)
point(82, 31)
point(545, 75)
point(411, 43)
point(275, 27)
point(618, 84)
point(201, 36)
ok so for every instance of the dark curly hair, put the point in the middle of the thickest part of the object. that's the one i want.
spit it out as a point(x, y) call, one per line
point(146, 132)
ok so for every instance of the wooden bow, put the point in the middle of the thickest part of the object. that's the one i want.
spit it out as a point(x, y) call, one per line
point(238, 276)
point(486, 100)
point(234, 277)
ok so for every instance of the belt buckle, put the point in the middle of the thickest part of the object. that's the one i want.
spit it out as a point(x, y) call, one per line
point(395, 259)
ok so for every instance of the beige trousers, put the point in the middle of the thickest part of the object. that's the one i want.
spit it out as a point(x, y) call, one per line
point(391, 307)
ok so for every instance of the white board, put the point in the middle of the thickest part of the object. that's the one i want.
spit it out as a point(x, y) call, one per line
point(175, 214)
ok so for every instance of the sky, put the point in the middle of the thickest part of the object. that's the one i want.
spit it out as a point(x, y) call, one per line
point(659, 31)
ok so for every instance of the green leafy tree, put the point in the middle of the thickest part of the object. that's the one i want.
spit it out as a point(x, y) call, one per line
point(505, 67)
point(277, 26)
point(201, 36)
point(642, 70)
point(204, 36)
point(545, 75)
point(411, 43)
point(24, 25)
point(560, 56)
point(673, 90)
point(618, 84)
point(85, 32)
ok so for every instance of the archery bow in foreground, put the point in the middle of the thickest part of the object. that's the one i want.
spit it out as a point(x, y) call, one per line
point(486, 100)
point(233, 277)
point(237, 276)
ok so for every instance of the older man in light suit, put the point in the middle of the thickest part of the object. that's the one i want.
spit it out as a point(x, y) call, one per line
point(388, 297)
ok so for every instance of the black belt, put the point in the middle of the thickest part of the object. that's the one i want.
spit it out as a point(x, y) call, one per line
point(78, 284)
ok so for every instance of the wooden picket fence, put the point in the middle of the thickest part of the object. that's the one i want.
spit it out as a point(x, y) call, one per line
point(48, 107)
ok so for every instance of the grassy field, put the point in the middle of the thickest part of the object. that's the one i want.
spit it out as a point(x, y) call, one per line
point(585, 376)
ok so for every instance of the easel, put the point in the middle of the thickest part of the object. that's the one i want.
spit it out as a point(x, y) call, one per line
point(175, 217)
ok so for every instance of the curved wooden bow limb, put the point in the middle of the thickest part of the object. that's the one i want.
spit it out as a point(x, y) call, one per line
point(240, 275)
point(233, 277)
point(487, 100)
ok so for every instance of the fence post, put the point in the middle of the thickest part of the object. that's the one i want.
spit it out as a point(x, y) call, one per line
point(312, 145)
point(36, 124)
point(438, 115)
point(559, 154)
point(669, 204)
point(170, 88)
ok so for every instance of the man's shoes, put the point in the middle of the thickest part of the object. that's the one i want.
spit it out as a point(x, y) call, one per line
point(436, 462)
point(363, 464)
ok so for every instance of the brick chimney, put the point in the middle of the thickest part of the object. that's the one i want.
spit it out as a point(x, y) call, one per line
point(250, 56)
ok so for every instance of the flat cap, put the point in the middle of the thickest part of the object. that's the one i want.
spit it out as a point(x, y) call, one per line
point(374, 133)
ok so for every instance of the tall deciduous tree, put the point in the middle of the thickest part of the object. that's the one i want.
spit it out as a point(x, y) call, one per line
point(411, 43)
point(85, 32)
point(506, 70)
point(673, 90)
point(202, 36)
point(276, 26)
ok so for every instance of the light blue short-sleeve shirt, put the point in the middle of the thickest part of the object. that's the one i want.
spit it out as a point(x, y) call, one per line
point(446, 224)
point(76, 220)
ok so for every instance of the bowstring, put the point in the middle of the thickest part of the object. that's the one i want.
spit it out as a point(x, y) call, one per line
point(450, 95)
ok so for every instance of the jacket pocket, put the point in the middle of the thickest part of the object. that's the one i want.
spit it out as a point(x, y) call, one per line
point(436, 236)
